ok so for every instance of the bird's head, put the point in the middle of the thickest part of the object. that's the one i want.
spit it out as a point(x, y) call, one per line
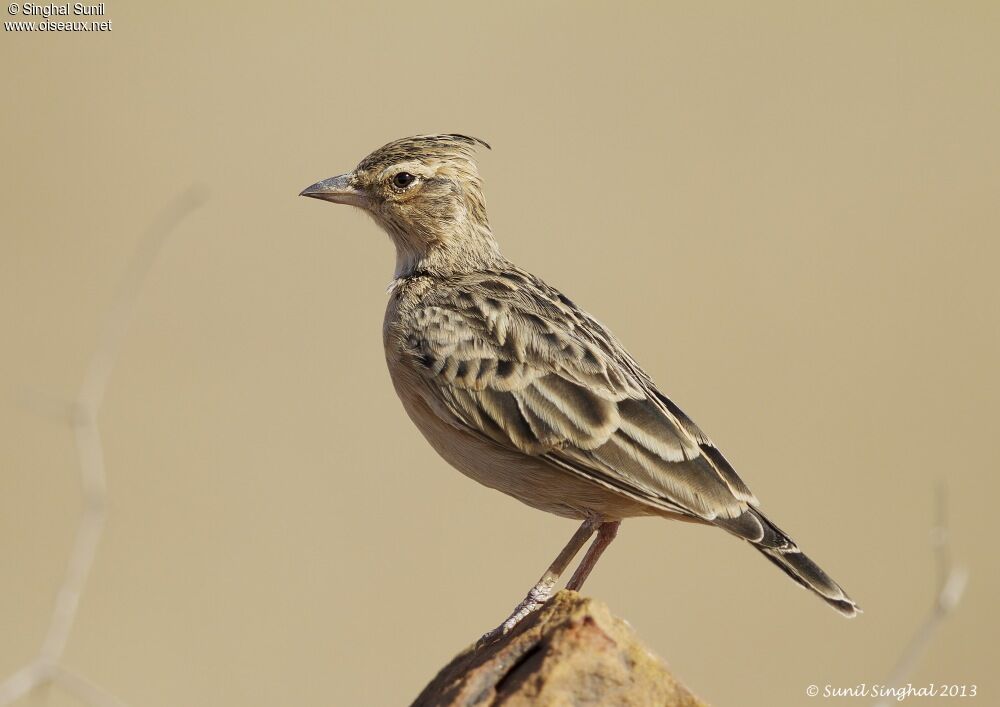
point(425, 191)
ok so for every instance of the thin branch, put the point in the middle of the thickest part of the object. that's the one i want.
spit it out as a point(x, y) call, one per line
point(85, 690)
point(951, 583)
point(81, 414)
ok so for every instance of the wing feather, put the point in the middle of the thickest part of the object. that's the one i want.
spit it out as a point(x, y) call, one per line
point(512, 359)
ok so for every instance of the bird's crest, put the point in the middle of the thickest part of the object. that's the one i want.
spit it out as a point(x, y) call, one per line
point(423, 146)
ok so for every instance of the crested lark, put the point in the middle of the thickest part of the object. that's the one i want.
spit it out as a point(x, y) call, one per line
point(520, 389)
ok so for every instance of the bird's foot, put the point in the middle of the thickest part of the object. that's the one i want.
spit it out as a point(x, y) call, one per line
point(534, 601)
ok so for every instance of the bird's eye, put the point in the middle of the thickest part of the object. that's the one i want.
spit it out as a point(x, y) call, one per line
point(401, 180)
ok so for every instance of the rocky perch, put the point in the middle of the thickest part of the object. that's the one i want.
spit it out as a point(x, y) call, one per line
point(571, 652)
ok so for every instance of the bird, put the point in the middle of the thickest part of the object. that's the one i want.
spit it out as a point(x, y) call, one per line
point(522, 390)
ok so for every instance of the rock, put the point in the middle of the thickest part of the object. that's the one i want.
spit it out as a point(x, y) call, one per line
point(571, 652)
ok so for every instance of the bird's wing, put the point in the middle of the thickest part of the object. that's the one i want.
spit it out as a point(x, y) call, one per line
point(512, 359)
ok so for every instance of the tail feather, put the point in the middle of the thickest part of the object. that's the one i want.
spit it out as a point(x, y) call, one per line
point(799, 567)
point(780, 549)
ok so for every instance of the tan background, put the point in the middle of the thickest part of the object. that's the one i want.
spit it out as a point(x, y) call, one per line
point(788, 212)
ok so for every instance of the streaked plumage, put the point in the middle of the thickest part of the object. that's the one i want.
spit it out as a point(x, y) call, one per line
point(522, 390)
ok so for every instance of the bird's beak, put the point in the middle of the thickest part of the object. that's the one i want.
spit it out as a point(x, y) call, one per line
point(338, 190)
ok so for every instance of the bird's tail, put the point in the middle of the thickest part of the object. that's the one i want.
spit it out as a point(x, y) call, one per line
point(780, 549)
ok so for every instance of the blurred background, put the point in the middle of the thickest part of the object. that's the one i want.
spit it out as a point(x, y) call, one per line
point(787, 211)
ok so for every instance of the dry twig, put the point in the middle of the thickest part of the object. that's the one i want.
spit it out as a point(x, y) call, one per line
point(951, 585)
point(81, 414)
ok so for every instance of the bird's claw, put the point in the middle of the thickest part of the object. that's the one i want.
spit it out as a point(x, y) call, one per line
point(533, 602)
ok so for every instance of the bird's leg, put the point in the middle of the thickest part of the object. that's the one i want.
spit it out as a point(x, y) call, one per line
point(542, 590)
point(606, 532)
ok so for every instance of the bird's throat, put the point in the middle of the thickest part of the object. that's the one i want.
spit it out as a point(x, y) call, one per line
point(455, 252)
